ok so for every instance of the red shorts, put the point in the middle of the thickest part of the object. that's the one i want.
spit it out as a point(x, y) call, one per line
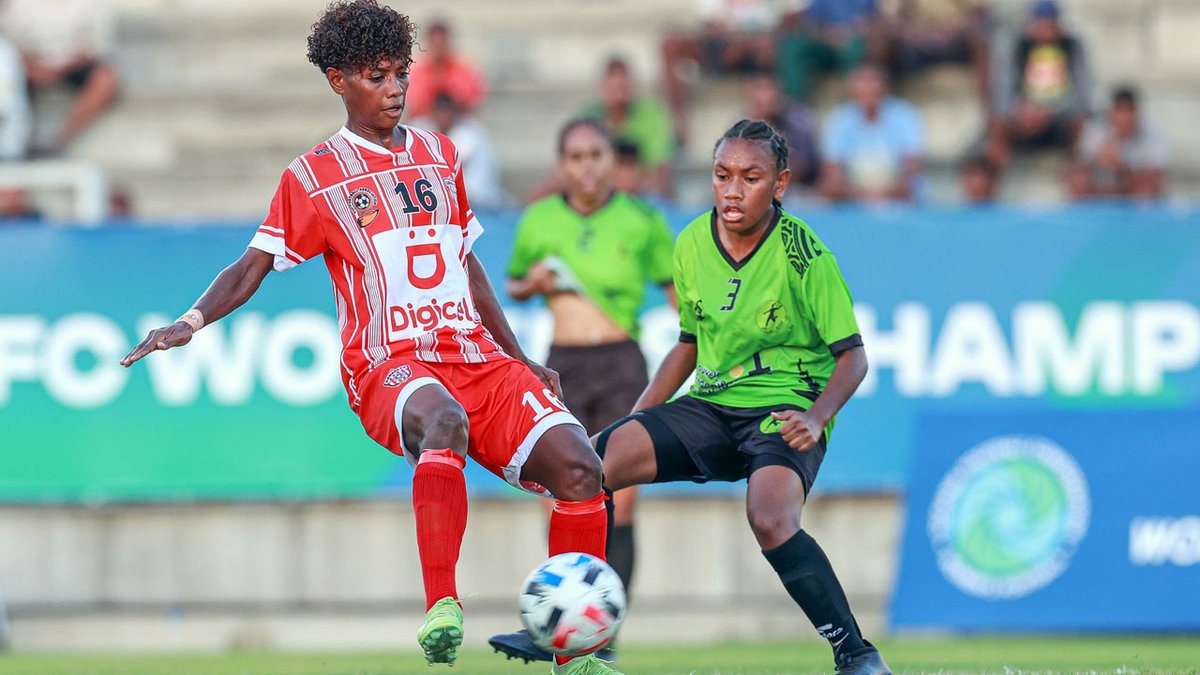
point(508, 409)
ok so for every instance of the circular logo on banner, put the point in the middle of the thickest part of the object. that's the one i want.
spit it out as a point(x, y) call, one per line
point(1006, 519)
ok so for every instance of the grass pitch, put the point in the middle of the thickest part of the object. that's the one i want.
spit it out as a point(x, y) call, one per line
point(1010, 656)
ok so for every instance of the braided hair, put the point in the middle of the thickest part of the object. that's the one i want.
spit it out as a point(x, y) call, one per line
point(758, 130)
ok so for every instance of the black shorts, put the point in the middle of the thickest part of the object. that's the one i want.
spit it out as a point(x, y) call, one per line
point(700, 441)
point(600, 382)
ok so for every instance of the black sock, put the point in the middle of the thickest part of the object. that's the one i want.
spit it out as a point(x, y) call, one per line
point(621, 553)
point(809, 579)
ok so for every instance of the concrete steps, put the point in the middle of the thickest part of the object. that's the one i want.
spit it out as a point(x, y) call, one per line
point(218, 95)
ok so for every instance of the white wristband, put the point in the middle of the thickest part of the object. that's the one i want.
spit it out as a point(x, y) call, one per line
point(193, 318)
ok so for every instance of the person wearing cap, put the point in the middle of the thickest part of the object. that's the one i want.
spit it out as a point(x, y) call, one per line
point(1041, 87)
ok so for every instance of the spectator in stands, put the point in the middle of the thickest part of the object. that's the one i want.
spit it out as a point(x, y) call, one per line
point(794, 120)
point(439, 69)
point(640, 120)
point(826, 36)
point(873, 144)
point(735, 36)
point(14, 103)
point(16, 205)
point(917, 34)
point(474, 147)
point(1119, 154)
point(64, 42)
point(1041, 88)
point(628, 176)
point(979, 178)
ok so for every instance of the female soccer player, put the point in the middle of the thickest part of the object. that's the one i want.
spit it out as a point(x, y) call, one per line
point(591, 251)
point(766, 325)
point(430, 364)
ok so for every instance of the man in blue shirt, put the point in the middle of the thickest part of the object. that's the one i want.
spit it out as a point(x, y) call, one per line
point(872, 144)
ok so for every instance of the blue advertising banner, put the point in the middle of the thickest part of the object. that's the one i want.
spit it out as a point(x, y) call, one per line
point(990, 310)
point(1052, 521)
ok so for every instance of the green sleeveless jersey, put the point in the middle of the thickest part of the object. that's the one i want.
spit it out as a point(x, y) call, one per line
point(766, 328)
point(612, 253)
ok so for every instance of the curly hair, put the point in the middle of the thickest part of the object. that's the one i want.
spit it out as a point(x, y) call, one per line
point(356, 34)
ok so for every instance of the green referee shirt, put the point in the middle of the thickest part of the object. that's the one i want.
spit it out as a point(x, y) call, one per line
point(613, 252)
point(766, 329)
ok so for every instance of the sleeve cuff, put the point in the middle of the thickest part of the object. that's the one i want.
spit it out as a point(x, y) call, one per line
point(687, 338)
point(846, 343)
point(274, 245)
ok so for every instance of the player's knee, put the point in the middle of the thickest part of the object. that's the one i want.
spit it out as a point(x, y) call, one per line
point(447, 427)
point(579, 477)
point(773, 527)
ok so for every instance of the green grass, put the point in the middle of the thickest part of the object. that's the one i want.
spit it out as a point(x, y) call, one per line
point(1126, 655)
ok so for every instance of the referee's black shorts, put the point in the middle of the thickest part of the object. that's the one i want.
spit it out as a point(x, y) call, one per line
point(699, 441)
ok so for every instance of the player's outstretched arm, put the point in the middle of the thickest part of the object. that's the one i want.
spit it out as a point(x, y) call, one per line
point(670, 376)
point(230, 290)
point(802, 430)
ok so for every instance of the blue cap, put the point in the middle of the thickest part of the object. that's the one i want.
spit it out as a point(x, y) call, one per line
point(1044, 9)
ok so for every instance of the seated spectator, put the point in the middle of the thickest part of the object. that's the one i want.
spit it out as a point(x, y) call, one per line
point(474, 147)
point(628, 176)
point(735, 36)
point(979, 178)
point(826, 36)
point(640, 120)
point(1041, 89)
point(438, 69)
point(16, 206)
point(1120, 154)
point(63, 42)
point(917, 34)
point(872, 144)
point(14, 104)
point(794, 120)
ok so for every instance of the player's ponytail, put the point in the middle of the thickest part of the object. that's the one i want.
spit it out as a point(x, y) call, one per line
point(759, 130)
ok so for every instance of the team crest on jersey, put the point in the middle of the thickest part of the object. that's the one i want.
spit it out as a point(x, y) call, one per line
point(397, 376)
point(770, 316)
point(365, 205)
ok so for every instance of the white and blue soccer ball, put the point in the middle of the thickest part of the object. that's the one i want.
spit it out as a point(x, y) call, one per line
point(573, 604)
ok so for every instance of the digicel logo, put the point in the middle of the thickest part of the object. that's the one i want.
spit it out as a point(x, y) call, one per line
point(428, 316)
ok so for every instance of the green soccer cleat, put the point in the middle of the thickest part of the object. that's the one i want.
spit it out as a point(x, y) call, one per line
point(442, 632)
point(585, 665)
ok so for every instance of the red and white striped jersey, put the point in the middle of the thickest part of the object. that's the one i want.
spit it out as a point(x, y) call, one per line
point(395, 228)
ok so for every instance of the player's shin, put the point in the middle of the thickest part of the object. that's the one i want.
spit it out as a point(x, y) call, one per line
point(809, 578)
point(579, 527)
point(440, 507)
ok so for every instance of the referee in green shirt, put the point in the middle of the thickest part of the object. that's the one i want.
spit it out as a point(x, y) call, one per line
point(591, 251)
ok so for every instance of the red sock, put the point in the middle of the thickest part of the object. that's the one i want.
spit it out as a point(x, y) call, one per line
point(579, 527)
point(440, 506)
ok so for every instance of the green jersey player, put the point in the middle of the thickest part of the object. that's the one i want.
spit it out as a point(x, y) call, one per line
point(768, 330)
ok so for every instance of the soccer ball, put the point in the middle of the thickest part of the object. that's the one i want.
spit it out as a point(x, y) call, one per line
point(572, 604)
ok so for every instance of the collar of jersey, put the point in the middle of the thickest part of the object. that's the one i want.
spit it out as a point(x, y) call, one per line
point(375, 147)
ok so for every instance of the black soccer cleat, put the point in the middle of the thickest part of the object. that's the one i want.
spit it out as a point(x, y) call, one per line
point(519, 645)
point(868, 662)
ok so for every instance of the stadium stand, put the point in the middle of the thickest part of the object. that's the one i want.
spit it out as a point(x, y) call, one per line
point(214, 134)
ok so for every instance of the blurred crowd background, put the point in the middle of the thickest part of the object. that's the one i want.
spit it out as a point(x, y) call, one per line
point(180, 109)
